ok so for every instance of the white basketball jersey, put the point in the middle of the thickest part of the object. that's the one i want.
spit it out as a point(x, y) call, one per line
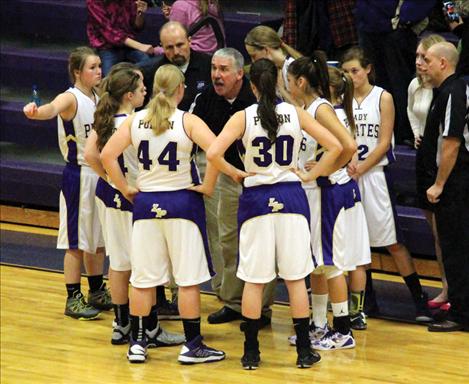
point(128, 160)
point(311, 150)
point(73, 134)
point(342, 116)
point(367, 116)
point(271, 162)
point(166, 161)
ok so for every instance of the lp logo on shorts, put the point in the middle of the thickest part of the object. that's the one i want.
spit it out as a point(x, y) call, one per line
point(275, 205)
point(159, 213)
point(117, 200)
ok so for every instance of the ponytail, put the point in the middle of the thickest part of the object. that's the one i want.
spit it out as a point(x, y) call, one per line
point(116, 86)
point(264, 77)
point(161, 107)
point(342, 86)
point(314, 70)
point(104, 118)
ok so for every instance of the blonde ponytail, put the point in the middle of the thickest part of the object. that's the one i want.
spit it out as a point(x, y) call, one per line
point(163, 104)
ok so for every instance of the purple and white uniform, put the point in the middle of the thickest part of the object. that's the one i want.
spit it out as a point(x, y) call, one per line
point(169, 231)
point(79, 222)
point(273, 215)
point(115, 211)
point(376, 185)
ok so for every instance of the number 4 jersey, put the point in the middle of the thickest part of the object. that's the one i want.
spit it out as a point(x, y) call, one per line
point(166, 161)
point(271, 162)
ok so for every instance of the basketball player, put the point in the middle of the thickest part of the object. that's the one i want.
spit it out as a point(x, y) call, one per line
point(273, 211)
point(330, 198)
point(80, 230)
point(123, 91)
point(169, 220)
point(374, 119)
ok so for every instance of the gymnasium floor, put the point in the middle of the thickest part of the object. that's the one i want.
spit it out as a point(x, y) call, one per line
point(40, 345)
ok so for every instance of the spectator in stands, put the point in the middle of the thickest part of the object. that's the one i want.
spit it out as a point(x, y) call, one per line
point(79, 231)
point(388, 31)
point(112, 27)
point(461, 29)
point(419, 100)
point(177, 51)
point(374, 118)
point(263, 42)
point(444, 154)
point(191, 12)
point(229, 92)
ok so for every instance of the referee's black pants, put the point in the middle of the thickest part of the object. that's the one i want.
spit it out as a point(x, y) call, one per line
point(452, 220)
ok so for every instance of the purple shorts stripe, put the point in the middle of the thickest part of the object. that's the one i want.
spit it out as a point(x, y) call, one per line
point(392, 197)
point(194, 172)
point(71, 144)
point(111, 197)
point(71, 192)
point(334, 198)
point(182, 204)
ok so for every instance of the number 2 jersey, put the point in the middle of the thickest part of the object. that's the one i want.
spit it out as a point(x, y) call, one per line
point(271, 162)
point(367, 116)
point(166, 161)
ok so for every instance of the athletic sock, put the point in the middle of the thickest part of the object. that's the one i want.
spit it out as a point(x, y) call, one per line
point(251, 330)
point(341, 322)
point(72, 288)
point(95, 282)
point(413, 283)
point(121, 312)
point(160, 295)
point(302, 333)
point(153, 318)
point(191, 328)
point(137, 327)
point(319, 304)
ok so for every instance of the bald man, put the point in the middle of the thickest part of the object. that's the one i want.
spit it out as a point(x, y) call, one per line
point(195, 65)
point(443, 177)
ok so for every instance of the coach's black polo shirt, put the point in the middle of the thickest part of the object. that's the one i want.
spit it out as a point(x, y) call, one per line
point(447, 117)
point(215, 110)
point(197, 76)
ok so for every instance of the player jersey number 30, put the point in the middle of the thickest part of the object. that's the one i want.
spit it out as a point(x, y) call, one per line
point(283, 150)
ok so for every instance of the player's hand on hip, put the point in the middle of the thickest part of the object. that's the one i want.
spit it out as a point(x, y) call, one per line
point(238, 175)
point(203, 189)
point(130, 193)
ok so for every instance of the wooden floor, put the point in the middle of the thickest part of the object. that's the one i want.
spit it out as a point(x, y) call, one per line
point(40, 345)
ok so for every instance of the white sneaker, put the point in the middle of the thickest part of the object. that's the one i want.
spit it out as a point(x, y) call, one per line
point(137, 352)
point(315, 333)
point(161, 338)
point(120, 335)
point(335, 340)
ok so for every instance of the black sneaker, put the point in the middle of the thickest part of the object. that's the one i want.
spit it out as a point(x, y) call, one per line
point(100, 299)
point(168, 311)
point(358, 321)
point(307, 358)
point(251, 360)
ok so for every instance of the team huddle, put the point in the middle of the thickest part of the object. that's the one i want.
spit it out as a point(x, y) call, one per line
point(315, 196)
